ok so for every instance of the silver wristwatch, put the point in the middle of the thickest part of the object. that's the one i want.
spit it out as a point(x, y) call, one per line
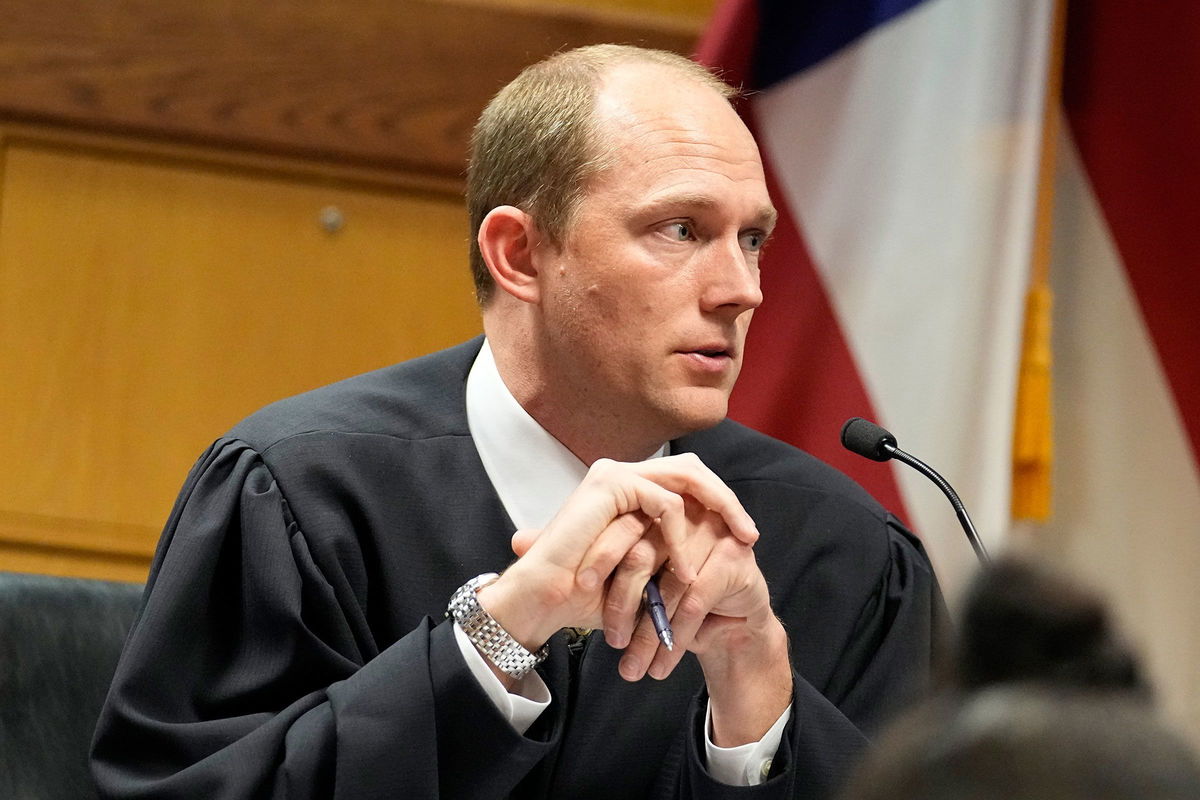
point(486, 634)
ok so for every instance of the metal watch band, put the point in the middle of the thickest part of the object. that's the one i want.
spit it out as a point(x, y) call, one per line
point(497, 646)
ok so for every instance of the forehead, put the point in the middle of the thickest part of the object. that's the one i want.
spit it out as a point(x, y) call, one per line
point(663, 132)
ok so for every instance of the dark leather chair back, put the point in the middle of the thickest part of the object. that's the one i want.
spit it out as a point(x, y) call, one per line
point(59, 643)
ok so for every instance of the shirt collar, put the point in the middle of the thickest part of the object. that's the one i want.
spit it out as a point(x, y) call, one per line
point(532, 472)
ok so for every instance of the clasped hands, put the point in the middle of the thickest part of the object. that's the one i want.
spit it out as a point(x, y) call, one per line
point(589, 566)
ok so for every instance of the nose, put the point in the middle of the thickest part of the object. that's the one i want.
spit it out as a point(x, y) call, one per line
point(731, 281)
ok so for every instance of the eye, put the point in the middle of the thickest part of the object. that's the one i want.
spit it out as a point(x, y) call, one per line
point(680, 231)
point(753, 240)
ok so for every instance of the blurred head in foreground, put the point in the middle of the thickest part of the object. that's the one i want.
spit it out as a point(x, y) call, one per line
point(1023, 621)
point(1046, 702)
point(1020, 742)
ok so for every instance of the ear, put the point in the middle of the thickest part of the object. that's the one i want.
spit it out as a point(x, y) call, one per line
point(507, 240)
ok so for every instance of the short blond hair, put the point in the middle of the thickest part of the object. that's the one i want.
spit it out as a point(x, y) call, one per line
point(537, 143)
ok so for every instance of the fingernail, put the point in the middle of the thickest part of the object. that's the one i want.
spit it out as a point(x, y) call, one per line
point(588, 579)
point(630, 669)
point(658, 671)
point(616, 639)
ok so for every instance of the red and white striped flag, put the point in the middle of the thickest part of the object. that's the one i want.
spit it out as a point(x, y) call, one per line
point(903, 141)
point(927, 180)
point(1126, 276)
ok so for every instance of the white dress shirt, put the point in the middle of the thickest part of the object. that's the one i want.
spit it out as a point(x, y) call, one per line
point(533, 474)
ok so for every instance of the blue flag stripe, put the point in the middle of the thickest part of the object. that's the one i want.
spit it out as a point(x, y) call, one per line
point(797, 34)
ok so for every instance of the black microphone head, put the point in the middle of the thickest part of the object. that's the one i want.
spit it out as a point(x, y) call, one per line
point(867, 439)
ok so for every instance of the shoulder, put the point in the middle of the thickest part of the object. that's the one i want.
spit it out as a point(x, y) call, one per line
point(807, 511)
point(413, 399)
point(740, 455)
point(829, 550)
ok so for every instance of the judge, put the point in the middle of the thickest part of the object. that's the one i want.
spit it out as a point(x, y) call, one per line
point(294, 640)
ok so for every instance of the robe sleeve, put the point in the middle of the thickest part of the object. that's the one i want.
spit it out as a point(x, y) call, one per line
point(886, 663)
point(245, 674)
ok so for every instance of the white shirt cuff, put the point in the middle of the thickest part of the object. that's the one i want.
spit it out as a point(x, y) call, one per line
point(746, 764)
point(524, 704)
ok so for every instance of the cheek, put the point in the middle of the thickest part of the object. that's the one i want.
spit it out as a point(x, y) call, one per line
point(618, 301)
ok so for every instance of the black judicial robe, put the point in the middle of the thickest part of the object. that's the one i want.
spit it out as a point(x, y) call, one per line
point(292, 641)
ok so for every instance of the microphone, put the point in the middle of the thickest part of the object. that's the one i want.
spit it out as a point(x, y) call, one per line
point(871, 441)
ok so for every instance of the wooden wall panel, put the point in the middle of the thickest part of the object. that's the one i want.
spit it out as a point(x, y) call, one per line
point(148, 304)
point(376, 82)
point(76, 548)
point(162, 269)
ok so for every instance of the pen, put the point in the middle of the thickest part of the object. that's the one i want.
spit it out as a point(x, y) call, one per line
point(658, 614)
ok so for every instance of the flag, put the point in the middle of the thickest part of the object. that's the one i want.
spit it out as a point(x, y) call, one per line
point(902, 140)
point(1126, 274)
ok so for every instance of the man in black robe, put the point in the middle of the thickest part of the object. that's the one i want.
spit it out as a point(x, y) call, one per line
point(293, 641)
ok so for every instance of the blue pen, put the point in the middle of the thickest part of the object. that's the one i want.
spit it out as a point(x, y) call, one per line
point(658, 614)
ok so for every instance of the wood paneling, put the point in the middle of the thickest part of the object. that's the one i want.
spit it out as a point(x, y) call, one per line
point(163, 266)
point(386, 83)
point(77, 548)
point(148, 303)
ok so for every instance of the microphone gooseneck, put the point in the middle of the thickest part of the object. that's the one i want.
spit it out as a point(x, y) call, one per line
point(874, 442)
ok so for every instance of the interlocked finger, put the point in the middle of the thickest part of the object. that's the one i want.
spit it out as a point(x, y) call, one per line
point(686, 474)
point(632, 492)
point(645, 648)
point(624, 599)
point(612, 547)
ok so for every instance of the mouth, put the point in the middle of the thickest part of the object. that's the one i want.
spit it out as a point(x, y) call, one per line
point(709, 357)
point(713, 350)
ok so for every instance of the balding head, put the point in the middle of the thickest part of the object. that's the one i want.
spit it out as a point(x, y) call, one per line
point(538, 142)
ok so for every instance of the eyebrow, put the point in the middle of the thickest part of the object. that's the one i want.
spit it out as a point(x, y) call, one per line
point(765, 217)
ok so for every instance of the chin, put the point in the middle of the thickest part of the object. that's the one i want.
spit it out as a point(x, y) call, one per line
point(699, 413)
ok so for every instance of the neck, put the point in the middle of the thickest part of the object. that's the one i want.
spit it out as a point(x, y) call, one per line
point(592, 438)
point(589, 433)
